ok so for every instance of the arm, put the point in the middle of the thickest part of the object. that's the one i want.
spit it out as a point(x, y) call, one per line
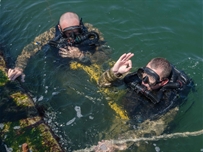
point(29, 51)
point(118, 71)
point(108, 77)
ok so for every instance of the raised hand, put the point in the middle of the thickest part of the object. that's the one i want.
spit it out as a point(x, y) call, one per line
point(123, 64)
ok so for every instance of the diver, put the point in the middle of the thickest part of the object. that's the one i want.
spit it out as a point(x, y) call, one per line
point(71, 38)
point(151, 91)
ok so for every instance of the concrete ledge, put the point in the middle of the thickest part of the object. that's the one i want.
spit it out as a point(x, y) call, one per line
point(20, 121)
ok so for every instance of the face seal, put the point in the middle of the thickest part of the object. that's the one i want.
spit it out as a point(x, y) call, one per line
point(148, 76)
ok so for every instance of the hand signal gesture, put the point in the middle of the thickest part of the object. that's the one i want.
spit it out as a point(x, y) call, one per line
point(123, 64)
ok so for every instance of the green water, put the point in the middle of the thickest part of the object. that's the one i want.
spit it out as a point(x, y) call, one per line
point(150, 28)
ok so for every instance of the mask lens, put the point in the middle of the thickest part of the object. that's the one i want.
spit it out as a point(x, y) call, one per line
point(151, 80)
point(145, 79)
point(148, 79)
point(148, 76)
point(71, 31)
point(140, 72)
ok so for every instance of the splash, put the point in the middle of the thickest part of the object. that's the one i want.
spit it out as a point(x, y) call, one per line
point(78, 110)
point(165, 136)
point(112, 145)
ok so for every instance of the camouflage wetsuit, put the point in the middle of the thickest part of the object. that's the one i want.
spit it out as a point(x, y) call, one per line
point(139, 105)
point(99, 55)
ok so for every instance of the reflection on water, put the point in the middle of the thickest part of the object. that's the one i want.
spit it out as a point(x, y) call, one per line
point(76, 110)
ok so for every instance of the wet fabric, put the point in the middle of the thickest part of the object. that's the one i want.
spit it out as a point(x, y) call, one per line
point(138, 106)
point(41, 43)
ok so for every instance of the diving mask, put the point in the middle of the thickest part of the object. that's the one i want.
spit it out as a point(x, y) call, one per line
point(71, 32)
point(148, 76)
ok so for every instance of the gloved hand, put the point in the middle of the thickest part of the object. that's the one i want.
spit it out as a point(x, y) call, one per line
point(71, 52)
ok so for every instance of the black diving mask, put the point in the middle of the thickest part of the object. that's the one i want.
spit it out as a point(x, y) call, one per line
point(71, 32)
point(148, 76)
point(74, 31)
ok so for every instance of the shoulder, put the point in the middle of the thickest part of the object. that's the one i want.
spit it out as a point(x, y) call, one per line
point(46, 36)
point(52, 29)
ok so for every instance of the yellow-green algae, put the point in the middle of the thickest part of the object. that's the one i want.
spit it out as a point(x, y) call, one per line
point(21, 99)
point(3, 77)
point(95, 71)
point(20, 119)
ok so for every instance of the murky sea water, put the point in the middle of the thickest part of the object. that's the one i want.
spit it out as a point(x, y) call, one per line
point(80, 113)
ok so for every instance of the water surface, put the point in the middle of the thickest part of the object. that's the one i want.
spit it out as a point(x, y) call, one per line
point(170, 29)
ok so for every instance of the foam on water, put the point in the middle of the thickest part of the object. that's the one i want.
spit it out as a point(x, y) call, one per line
point(78, 110)
point(70, 121)
point(120, 143)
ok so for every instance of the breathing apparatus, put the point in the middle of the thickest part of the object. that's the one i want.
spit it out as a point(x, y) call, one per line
point(74, 36)
point(177, 81)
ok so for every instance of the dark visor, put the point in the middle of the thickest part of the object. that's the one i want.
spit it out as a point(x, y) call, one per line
point(71, 31)
point(149, 72)
point(71, 28)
